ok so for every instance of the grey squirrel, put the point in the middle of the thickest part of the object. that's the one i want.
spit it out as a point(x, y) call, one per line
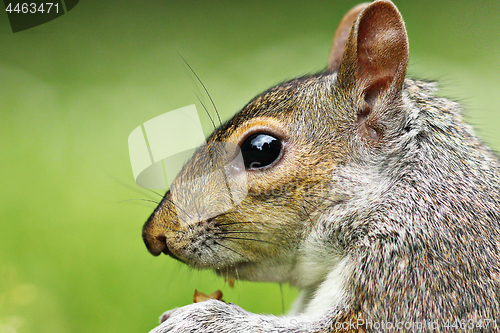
point(365, 191)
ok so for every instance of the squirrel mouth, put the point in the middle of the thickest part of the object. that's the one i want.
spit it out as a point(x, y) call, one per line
point(169, 253)
point(158, 245)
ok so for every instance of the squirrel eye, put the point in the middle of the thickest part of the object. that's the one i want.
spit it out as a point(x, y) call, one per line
point(260, 150)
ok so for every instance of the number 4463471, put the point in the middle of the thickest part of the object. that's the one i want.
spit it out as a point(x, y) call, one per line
point(33, 8)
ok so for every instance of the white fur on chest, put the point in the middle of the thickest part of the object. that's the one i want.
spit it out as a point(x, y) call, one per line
point(316, 301)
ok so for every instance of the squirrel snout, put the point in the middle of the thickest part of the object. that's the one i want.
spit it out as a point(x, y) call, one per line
point(156, 242)
point(155, 230)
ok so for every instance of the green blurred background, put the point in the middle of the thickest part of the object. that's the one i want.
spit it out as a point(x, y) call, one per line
point(71, 91)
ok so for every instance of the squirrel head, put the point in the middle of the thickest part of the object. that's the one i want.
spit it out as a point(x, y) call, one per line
point(291, 139)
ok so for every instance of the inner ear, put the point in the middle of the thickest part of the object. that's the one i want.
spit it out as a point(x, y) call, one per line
point(382, 48)
point(374, 89)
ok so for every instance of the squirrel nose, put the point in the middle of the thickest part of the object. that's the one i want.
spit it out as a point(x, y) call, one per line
point(155, 239)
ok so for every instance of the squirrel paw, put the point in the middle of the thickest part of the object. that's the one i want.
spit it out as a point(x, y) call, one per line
point(207, 316)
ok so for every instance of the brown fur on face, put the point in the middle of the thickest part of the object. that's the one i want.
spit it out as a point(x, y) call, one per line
point(255, 231)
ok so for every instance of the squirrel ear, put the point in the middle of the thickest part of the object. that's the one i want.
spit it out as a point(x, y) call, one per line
point(341, 34)
point(376, 54)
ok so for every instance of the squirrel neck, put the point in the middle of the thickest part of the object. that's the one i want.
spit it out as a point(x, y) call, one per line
point(379, 199)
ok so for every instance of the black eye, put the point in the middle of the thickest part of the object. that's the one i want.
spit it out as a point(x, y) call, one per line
point(260, 150)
